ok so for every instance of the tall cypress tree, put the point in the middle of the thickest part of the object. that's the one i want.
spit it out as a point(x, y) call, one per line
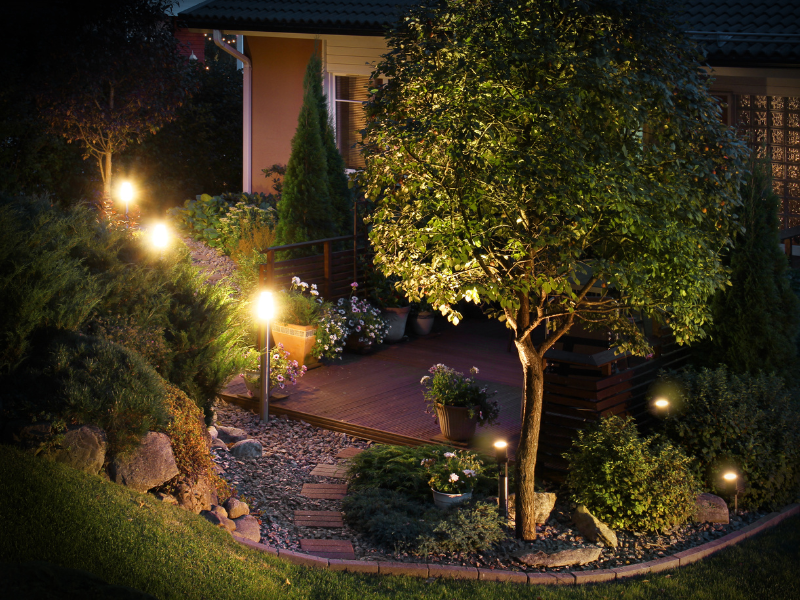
point(756, 320)
point(305, 212)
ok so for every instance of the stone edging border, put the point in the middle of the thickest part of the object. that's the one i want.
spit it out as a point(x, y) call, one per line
point(426, 570)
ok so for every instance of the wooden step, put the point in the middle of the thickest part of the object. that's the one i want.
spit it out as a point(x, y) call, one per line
point(329, 548)
point(318, 518)
point(324, 491)
point(338, 471)
point(349, 452)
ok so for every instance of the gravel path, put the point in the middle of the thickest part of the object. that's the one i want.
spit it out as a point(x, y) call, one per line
point(272, 484)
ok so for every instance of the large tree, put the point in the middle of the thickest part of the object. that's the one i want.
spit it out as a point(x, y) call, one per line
point(120, 77)
point(561, 160)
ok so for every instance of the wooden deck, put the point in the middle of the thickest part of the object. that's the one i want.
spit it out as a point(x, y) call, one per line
point(379, 396)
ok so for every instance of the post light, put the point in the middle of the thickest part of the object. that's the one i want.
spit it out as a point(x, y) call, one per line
point(265, 312)
point(662, 404)
point(501, 454)
point(126, 194)
point(733, 479)
point(160, 236)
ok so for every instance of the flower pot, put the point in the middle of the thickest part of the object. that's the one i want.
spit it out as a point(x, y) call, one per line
point(455, 422)
point(443, 500)
point(297, 340)
point(353, 344)
point(422, 323)
point(252, 381)
point(396, 320)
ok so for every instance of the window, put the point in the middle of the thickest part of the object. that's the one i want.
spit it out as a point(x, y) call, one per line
point(350, 93)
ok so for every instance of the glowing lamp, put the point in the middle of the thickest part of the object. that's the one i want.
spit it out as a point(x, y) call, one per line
point(729, 476)
point(160, 236)
point(266, 307)
point(661, 403)
point(501, 454)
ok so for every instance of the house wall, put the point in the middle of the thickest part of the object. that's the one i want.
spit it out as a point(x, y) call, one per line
point(279, 65)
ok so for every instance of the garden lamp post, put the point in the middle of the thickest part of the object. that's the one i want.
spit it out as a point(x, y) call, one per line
point(126, 193)
point(732, 478)
point(662, 404)
point(501, 454)
point(265, 312)
point(160, 237)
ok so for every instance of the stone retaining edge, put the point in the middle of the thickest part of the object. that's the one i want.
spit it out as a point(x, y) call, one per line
point(426, 570)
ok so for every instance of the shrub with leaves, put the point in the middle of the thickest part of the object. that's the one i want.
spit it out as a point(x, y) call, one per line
point(471, 528)
point(631, 482)
point(747, 422)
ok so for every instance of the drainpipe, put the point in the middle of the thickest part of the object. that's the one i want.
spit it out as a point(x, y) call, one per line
point(247, 106)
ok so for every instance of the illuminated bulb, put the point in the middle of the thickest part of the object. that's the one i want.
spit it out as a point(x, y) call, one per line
point(500, 444)
point(662, 403)
point(265, 306)
point(126, 191)
point(160, 235)
point(729, 476)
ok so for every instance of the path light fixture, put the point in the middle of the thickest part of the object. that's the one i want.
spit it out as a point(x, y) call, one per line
point(265, 312)
point(662, 404)
point(501, 455)
point(733, 479)
point(160, 237)
point(126, 195)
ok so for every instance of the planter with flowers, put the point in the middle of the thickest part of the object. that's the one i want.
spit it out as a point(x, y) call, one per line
point(460, 404)
point(283, 370)
point(366, 326)
point(391, 300)
point(452, 476)
point(421, 317)
point(295, 327)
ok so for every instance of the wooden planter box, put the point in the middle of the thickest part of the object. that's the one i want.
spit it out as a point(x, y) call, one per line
point(297, 340)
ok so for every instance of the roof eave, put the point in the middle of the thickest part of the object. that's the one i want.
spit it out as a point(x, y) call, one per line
point(242, 25)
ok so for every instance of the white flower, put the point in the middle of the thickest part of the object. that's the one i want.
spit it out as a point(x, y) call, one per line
point(469, 472)
point(449, 454)
point(425, 380)
point(313, 286)
point(453, 477)
point(474, 370)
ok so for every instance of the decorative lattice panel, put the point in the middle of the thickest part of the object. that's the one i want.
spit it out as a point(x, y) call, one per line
point(772, 123)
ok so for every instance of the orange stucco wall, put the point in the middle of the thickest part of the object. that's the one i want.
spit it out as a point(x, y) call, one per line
point(279, 65)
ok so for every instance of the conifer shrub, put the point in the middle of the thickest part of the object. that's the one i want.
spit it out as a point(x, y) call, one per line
point(631, 482)
point(749, 423)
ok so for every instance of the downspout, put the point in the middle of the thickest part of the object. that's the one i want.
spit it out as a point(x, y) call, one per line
point(247, 106)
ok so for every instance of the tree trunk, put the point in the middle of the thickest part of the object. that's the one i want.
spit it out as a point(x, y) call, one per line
point(532, 400)
point(107, 176)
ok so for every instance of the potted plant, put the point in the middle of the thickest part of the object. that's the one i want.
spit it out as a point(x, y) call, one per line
point(452, 476)
point(421, 317)
point(367, 327)
point(392, 302)
point(283, 370)
point(332, 331)
point(460, 404)
point(296, 324)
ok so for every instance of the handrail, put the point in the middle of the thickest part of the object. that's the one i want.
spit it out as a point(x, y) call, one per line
point(311, 243)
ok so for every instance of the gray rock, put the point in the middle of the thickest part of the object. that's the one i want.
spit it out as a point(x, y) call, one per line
point(236, 508)
point(219, 511)
point(230, 435)
point(148, 466)
point(542, 506)
point(565, 558)
point(166, 498)
point(592, 528)
point(711, 509)
point(217, 519)
point(218, 443)
point(248, 527)
point(83, 448)
point(212, 431)
point(194, 495)
point(247, 449)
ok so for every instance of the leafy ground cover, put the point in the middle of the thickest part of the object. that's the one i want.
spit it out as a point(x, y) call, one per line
point(77, 521)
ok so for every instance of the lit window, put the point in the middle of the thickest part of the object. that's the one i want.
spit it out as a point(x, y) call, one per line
point(350, 94)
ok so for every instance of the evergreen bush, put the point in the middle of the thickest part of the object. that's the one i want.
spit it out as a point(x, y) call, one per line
point(628, 481)
point(746, 422)
point(755, 321)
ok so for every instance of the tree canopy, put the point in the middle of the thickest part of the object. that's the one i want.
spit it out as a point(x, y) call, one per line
point(561, 160)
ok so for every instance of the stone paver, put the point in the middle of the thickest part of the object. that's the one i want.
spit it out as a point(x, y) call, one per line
point(341, 549)
point(349, 452)
point(336, 471)
point(318, 518)
point(324, 491)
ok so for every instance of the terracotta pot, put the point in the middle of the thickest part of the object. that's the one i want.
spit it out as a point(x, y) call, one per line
point(455, 422)
point(443, 500)
point(422, 323)
point(396, 320)
point(297, 340)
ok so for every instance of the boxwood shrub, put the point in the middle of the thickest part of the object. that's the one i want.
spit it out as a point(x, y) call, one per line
point(750, 423)
point(628, 481)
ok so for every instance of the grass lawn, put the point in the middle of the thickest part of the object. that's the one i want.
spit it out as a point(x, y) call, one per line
point(55, 514)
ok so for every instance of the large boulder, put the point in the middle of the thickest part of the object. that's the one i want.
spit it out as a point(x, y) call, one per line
point(83, 448)
point(247, 449)
point(248, 527)
point(231, 435)
point(711, 509)
point(565, 558)
point(236, 508)
point(542, 506)
point(592, 528)
point(146, 467)
point(27, 435)
point(194, 496)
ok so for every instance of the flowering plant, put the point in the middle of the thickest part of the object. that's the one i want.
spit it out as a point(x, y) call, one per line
point(282, 370)
point(300, 305)
point(452, 472)
point(332, 332)
point(363, 320)
point(449, 387)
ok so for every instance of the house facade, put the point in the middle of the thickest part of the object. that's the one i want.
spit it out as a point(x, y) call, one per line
point(753, 48)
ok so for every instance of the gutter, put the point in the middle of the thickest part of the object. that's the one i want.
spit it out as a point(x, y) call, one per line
point(247, 107)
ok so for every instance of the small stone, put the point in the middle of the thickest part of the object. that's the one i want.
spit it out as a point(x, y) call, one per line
point(236, 508)
point(219, 511)
point(166, 498)
point(212, 431)
point(593, 528)
point(565, 558)
point(230, 435)
point(711, 509)
point(248, 527)
point(247, 449)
